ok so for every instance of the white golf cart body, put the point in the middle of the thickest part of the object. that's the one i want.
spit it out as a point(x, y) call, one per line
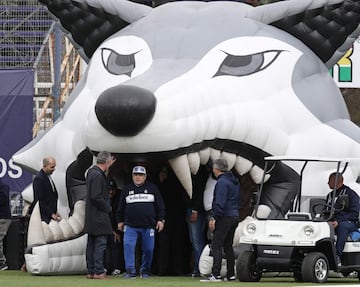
point(301, 242)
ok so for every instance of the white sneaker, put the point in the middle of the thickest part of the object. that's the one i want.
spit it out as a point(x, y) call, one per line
point(116, 272)
point(212, 278)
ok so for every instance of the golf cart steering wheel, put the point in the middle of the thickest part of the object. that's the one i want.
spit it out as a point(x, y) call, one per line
point(324, 213)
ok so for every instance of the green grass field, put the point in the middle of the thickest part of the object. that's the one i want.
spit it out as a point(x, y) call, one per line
point(18, 279)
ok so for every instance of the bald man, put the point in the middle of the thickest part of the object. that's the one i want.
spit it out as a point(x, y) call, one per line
point(345, 219)
point(45, 191)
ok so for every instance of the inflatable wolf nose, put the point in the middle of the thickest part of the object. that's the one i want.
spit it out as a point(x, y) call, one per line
point(125, 110)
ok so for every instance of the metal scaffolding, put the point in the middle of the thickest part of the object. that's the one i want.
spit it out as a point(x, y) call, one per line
point(31, 39)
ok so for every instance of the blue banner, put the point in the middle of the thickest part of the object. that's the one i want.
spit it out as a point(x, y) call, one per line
point(16, 121)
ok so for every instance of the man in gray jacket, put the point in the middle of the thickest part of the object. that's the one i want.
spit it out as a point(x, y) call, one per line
point(97, 220)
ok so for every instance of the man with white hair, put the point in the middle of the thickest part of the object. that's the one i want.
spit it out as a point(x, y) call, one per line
point(224, 220)
point(97, 220)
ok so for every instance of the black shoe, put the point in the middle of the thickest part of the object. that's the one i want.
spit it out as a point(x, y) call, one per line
point(212, 278)
point(231, 278)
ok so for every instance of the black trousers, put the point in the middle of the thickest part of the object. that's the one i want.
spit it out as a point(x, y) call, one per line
point(223, 236)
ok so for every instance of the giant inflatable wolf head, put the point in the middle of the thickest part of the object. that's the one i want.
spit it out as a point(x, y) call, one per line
point(188, 81)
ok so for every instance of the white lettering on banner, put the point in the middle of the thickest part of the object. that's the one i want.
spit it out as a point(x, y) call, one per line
point(3, 167)
point(140, 197)
point(16, 168)
point(12, 170)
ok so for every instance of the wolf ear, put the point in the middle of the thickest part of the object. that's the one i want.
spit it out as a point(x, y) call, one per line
point(88, 23)
point(327, 29)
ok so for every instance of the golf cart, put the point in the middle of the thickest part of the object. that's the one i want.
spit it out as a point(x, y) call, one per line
point(298, 238)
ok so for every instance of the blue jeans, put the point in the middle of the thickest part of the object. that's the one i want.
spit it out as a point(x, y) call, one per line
point(95, 249)
point(342, 232)
point(197, 237)
point(131, 235)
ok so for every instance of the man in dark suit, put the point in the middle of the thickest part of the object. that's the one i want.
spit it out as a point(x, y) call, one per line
point(45, 192)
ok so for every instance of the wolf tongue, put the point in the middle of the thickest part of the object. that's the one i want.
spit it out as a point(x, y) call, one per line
point(181, 168)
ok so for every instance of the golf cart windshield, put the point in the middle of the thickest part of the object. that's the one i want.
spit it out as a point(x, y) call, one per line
point(286, 175)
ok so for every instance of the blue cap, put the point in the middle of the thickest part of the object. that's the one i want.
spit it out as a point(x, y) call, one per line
point(139, 169)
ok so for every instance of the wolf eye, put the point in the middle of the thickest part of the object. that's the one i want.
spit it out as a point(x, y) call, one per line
point(247, 64)
point(118, 64)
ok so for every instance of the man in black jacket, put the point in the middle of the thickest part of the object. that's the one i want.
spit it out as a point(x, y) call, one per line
point(5, 220)
point(97, 219)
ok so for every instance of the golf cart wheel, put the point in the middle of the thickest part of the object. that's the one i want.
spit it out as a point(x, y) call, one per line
point(315, 268)
point(246, 267)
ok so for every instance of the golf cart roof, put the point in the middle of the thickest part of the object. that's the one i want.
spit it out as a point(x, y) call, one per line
point(310, 158)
